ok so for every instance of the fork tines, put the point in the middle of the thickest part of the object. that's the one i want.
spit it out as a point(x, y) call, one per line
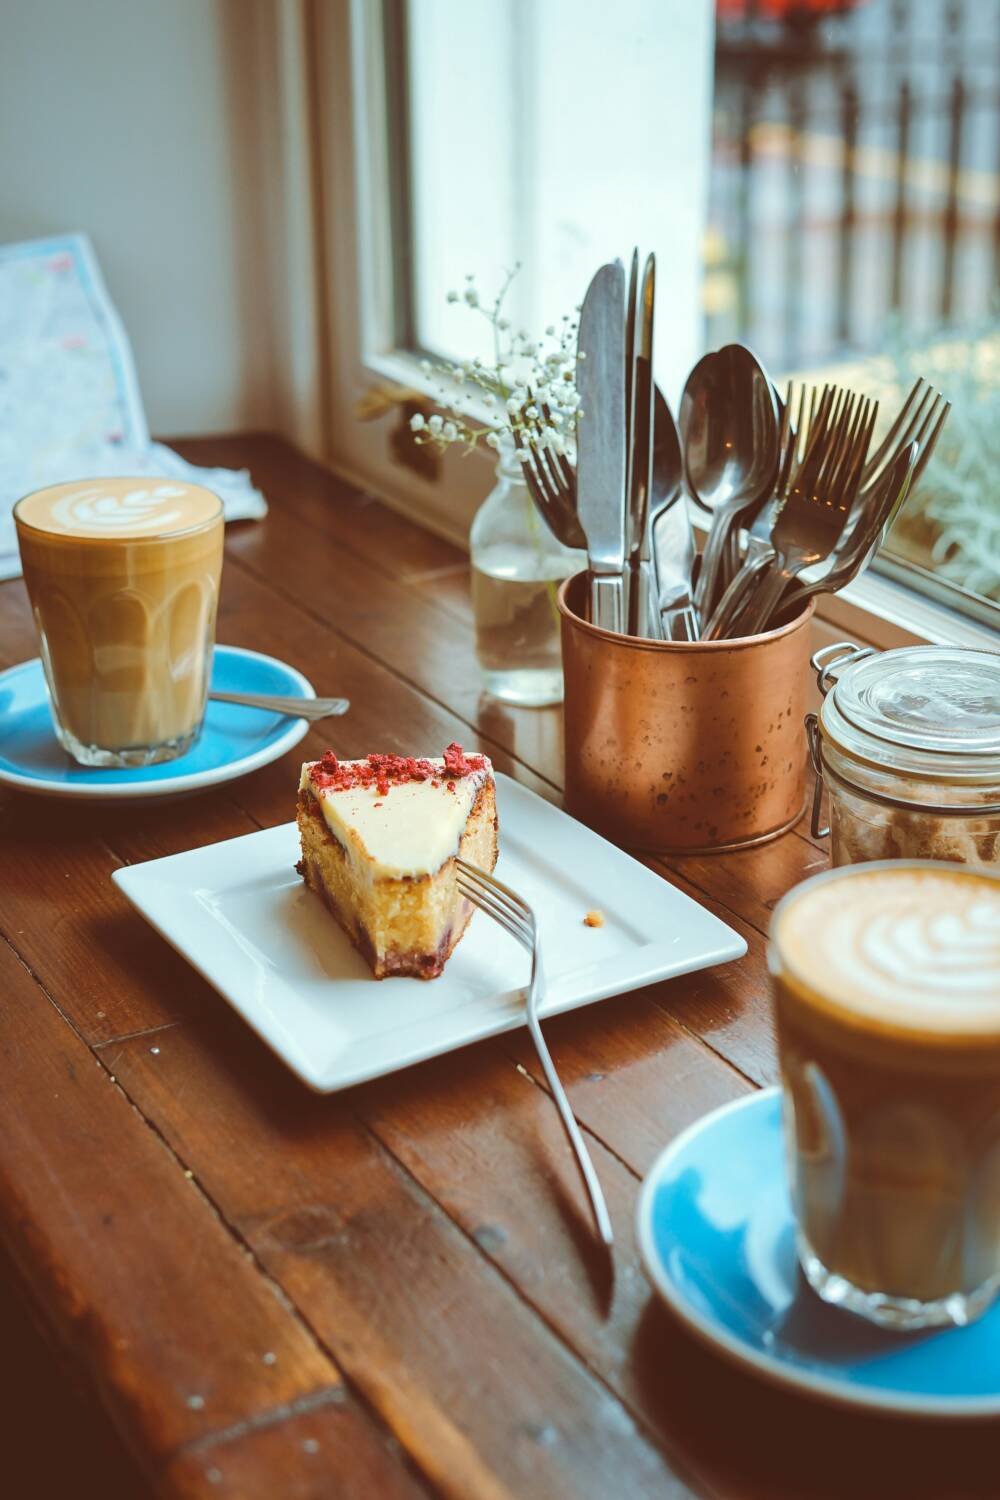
point(550, 478)
point(498, 901)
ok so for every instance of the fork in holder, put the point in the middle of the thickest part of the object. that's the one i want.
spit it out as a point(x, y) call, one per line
point(516, 917)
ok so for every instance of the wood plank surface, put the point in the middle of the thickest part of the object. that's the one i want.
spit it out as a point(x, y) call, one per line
point(394, 1292)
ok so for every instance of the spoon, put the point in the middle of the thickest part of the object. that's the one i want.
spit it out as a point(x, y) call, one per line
point(312, 709)
point(729, 430)
point(670, 528)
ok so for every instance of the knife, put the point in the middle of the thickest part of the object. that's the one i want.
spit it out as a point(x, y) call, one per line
point(640, 580)
point(600, 442)
point(630, 351)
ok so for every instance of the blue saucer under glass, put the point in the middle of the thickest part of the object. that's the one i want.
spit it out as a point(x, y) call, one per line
point(233, 741)
point(717, 1236)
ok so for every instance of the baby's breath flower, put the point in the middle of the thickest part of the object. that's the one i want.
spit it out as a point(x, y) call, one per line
point(495, 401)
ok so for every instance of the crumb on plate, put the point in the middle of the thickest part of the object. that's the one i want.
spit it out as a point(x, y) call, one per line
point(594, 919)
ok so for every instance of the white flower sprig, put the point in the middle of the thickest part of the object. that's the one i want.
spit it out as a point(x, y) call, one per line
point(529, 388)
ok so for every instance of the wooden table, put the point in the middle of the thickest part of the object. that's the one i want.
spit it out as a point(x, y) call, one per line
point(391, 1292)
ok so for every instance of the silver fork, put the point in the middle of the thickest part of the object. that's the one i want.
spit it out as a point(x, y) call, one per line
point(920, 420)
point(511, 912)
point(902, 431)
point(924, 428)
point(551, 482)
point(820, 499)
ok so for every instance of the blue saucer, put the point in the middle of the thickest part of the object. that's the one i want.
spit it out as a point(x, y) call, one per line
point(717, 1237)
point(233, 741)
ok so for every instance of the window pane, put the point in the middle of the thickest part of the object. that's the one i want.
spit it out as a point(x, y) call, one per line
point(556, 133)
point(854, 230)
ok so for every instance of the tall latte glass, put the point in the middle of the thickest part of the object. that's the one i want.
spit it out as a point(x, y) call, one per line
point(887, 991)
point(123, 577)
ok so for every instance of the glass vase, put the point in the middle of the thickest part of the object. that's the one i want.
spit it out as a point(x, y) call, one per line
point(517, 566)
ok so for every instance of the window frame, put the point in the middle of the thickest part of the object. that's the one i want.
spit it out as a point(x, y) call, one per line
point(358, 327)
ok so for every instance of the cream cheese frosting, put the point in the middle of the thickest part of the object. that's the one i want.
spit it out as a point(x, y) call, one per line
point(398, 827)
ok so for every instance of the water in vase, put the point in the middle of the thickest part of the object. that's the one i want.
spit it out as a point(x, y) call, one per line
point(517, 624)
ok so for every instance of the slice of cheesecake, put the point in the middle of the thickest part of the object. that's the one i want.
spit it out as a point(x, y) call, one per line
point(379, 841)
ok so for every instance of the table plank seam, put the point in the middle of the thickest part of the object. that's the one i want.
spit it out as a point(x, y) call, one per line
point(290, 1307)
point(694, 1036)
point(586, 1128)
point(663, 865)
point(323, 1396)
point(577, 1356)
point(352, 496)
point(131, 1036)
point(688, 1035)
point(431, 575)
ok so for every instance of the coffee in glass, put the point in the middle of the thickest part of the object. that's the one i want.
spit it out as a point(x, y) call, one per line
point(886, 982)
point(123, 578)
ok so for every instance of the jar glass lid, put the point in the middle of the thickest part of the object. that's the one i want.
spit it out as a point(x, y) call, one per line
point(938, 700)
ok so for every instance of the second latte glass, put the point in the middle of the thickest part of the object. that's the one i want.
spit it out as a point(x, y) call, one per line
point(886, 984)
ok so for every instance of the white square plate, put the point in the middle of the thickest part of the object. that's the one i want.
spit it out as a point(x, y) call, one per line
point(241, 915)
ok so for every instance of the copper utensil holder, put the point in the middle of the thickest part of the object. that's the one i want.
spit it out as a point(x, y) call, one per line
point(678, 747)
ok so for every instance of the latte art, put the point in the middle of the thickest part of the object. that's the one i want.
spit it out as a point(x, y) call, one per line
point(138, 510)
point(118, 509)
point(909, 945)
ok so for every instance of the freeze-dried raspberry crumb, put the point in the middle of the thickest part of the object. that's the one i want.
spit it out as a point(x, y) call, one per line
point(385, 771)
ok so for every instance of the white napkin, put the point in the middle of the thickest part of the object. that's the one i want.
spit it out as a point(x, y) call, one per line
point(70, 406)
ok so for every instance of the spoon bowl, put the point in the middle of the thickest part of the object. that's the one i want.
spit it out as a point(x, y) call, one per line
point(729, 426)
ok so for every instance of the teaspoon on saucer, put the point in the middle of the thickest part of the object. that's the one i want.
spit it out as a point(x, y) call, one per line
point(312, 709)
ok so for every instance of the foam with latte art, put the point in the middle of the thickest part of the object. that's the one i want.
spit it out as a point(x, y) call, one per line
point(119, 508)
point(913, 947)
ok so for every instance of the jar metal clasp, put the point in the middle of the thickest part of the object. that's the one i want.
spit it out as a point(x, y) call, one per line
point(816, 756)
point(829, 661)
